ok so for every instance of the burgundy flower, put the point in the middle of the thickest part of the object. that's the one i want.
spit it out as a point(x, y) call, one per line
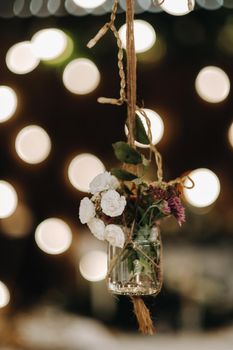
point(157, 192)
point(166, 210)
point(177, 209)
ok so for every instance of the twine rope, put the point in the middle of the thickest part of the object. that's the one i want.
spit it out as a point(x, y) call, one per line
point(111, 25)
point(141, 311)
point(131, 86)
point(131, 71)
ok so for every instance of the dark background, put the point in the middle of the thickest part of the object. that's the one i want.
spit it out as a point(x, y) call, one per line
point(195, 136)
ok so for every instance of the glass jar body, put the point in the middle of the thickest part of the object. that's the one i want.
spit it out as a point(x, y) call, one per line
point(136, 268)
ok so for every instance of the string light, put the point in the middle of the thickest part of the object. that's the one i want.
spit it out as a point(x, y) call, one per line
point(144, 34)
point(49, 44)
point(82, 170)
point(20, 58)
point(210, 4)
point(93, 266)
point(53, 236)
point(178, 8)
point(89, 4)
point(9, 199)
point(230, 134)
point(81, 76)
point(206, 189)
point(8, 103)
point(4, 295)
point(212, 84)
point(33, 144)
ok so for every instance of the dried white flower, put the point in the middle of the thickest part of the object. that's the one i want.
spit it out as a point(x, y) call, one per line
point(86, 210)
point(103, 182)
point(112, 203)
point(154, 233)
point(97, 227)
point(115, 235)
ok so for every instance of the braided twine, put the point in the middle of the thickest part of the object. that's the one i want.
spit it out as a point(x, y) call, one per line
point(129, 83)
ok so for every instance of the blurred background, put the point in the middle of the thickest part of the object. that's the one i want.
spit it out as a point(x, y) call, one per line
point(55, 137)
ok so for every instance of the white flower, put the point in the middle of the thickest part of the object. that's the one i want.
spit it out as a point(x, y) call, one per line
point(86, 210)
point(103, 182)
point(112, 203)
point(154, 234)
point(97, 227)
point(115, 235)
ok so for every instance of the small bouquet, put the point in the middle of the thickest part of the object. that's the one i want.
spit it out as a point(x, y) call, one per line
point(125, 211)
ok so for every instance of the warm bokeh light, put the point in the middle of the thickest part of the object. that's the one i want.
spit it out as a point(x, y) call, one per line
point(81, 76)
point(20, 58)
point(53, 236)
point(212, 84)
point(157, 127)
point(19, 224)
point(210, 4)
point(33, 144)
point(8, 103)
point(176, 8)
point(206, 189)
point(89, 4)
point(82, 170)
point(144, 4)
point(49, 44)
point(8, 199)
point(4, 295)
point(144, 33)
point(230, 134)
point(93, 266)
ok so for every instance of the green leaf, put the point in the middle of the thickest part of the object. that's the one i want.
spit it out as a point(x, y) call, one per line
point(140, 132)
point(145, 161)
point(127, 154)
point(123, 174)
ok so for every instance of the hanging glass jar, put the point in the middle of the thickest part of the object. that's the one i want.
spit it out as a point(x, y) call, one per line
point(136, 268)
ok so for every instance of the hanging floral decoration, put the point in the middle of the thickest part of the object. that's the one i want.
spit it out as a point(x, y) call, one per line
point(124, 209)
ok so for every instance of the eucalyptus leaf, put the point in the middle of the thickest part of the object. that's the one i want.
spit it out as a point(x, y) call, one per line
point(126, 153)
point(145, 161)
point(123, 174)
point(140, 132)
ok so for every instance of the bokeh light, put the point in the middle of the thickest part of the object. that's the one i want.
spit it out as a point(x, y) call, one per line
point(228, 4)
point(157, 127)
point(49, 44)
point(206, 189)
point(53, 236)
point(177, 8)
point(144, 4)
point(144, 34)
point(81, 76)
point(4, 295)
point(93, 266)
point(19, 224)
point(8, 103)
point(8, 199)
point(20, 58)
point(212, 84)
point(82, 170)
point(230, 134)
point(33, 144)
point(54, 6)
point(89, 4)
point(210, 4)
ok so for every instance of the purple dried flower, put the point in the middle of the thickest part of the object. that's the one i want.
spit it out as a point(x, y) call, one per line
point(177, 209)
point(165, 208)
point(157, 192)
